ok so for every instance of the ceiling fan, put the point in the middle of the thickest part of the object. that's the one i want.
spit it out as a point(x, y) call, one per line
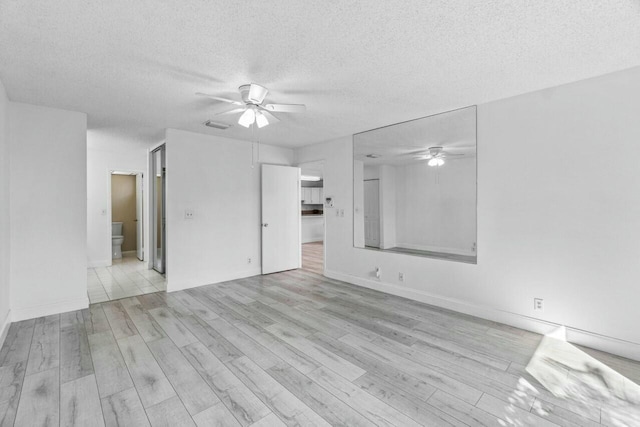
point(436, 156)
point(253, 108)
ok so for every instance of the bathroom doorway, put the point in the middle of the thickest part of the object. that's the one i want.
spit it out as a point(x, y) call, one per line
point(158, 223)
point(127, 216)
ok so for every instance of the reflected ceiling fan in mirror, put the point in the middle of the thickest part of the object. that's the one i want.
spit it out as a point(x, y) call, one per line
point(253, 108)
point(436, 156)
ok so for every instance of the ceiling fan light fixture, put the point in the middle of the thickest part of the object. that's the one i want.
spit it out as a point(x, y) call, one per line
point(247, 118)
point(261, 120)
point(253, 93)
point(436, 161)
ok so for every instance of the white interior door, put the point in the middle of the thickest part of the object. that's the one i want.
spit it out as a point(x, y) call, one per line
point(139, 217)
point(281, 248)
point(372, 213)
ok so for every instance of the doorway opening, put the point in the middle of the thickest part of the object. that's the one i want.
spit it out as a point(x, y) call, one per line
point(158, 250)
point(128, 275)
point(312, 213)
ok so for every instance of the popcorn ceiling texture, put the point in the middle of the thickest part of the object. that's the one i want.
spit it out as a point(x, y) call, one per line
point(134, 66)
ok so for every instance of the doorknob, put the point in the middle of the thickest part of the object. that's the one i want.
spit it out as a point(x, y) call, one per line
point(265, 224)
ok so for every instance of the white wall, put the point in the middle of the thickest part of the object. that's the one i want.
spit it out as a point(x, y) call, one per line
point(558, 217)
point(5, 315)
point(48, 186)
point(106, 152)
point(311, 228)
point(436, 206)
point(214, 177)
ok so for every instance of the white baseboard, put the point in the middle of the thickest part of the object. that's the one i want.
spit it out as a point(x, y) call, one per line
point(18, 314)
point(4, 327)
point(102, 263)
point(628, 349)
point(174, 285)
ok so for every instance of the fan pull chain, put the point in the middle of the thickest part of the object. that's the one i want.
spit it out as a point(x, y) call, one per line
point(254, 158)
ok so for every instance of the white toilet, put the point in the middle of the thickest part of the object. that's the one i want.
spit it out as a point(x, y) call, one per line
point(117, 239)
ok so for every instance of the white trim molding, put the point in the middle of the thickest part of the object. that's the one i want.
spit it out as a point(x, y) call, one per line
point(4, 328)
point(628, 349)
point(48, 309)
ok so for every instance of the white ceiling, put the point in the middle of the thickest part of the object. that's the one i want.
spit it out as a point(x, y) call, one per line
point(134, 66)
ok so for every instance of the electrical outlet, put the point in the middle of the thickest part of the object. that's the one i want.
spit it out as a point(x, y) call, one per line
point(188, 214)
point(401, 277)
point(248, 260)
point(342, 212)
point(538, 304)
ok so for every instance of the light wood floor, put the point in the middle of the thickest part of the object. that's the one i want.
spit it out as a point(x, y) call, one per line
point(291, 348)
point(313, 257)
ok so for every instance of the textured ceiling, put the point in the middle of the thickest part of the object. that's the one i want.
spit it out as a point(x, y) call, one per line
point(134, 66)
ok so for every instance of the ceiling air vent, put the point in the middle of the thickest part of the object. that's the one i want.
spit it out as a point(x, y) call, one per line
point(216, 125)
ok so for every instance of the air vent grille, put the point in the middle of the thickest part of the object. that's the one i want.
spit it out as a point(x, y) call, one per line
point(216, 125)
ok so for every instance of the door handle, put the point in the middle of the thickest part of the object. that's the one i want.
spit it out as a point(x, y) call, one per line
point(265, 224)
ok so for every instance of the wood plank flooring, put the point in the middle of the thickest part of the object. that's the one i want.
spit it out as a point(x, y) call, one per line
point(292, 348)
point(313, 257)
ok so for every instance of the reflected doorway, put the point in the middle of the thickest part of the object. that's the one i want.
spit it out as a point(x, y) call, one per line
point(158, 196)
point(372, 213)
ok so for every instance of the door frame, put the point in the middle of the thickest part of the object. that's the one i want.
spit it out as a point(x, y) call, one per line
point(263, 224)
point(325, 216)
point(133, 172)
point(152, 208)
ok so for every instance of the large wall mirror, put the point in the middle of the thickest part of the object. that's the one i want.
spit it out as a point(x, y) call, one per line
point(414, 186)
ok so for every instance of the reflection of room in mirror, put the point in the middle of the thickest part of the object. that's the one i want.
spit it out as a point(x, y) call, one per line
point(415, 187)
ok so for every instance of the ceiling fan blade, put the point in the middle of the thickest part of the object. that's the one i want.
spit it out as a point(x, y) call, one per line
point(447, 154)
point(217, 98)
point(269, 116)
point(235, 110)
point(286, 108)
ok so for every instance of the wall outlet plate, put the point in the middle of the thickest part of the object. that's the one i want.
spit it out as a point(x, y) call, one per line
point(401, 277)
point(188, 214)
point(538, 304)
